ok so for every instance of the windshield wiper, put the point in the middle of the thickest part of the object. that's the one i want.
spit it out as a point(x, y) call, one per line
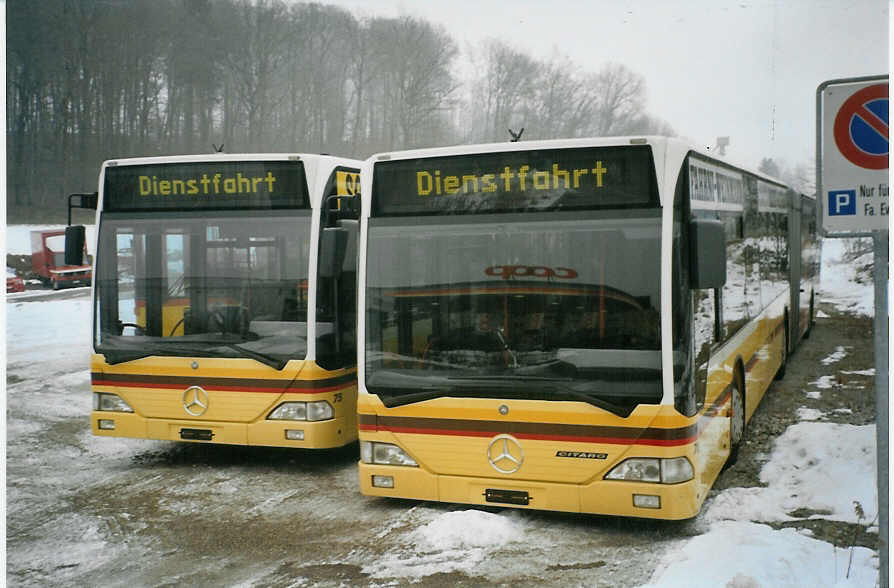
point(489, 386)
point(115, 356)
point(392, 397)
point(561, 386)
point(277, 364)
point(596, 401)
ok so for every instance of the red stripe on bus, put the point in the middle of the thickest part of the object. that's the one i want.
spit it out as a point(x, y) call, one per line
point(287, 390)
point(536, 437)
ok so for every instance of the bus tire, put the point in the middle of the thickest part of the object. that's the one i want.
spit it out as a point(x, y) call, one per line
point(810, 319)
point(780, 373)
point(736, 419)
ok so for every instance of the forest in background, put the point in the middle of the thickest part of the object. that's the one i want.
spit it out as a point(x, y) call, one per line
point(89, 80)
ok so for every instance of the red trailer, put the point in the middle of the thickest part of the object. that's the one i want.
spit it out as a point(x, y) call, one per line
point(48, 261)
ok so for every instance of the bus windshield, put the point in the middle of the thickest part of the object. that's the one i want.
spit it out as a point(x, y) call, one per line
point(560, 306)
point(209, 285)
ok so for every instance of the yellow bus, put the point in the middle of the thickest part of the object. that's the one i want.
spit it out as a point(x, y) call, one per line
point(580, 325)
point(225, 299)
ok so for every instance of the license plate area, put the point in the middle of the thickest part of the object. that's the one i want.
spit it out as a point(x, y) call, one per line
point(517, 497)
point(196, 434)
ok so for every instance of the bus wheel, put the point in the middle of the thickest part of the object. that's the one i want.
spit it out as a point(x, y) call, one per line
point(736, 420)
point(810, 319)
point(780, 373)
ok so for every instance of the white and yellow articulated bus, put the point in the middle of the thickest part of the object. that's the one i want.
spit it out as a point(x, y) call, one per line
point(225, 299)
point(578, 325)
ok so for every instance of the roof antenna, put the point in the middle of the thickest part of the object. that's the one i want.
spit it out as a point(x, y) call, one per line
point(218, 149)
point(516, 136)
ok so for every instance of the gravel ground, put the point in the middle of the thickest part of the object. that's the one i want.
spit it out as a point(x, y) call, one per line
point(84, 510)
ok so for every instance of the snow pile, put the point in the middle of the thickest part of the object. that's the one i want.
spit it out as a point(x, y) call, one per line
point(821, 467)
point(827, 466)
point(451, 542)
point(468, 528)
point(842, 282)
point(742, 554)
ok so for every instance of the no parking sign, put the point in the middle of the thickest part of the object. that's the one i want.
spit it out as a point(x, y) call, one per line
point(852, 155)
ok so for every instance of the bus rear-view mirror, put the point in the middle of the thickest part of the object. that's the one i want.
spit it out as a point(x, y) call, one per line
point(75, 238)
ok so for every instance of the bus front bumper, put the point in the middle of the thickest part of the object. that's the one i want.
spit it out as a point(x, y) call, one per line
point(604, 497)
point(327, 434)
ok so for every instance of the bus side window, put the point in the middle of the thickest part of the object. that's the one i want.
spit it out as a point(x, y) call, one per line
point(703, 318)
point(735, 295)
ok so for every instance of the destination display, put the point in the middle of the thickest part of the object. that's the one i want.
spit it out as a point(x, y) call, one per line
point(517, 181)
point(219, 185)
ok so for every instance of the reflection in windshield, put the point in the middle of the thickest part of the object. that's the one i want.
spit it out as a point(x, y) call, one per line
point(224, 287)
point(460, 308)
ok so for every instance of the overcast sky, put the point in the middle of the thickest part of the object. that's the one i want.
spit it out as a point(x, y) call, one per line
point(744, 69)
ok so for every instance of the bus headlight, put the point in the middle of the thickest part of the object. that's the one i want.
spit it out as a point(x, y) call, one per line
point(110, 403)
point(638, 469)
point(319, 410)
point(290, 411)
point(650, 469)
point(385, 454)
point(676, 470)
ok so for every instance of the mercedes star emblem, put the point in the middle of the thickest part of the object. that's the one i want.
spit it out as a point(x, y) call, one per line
point(195, 401)
point(505, 454)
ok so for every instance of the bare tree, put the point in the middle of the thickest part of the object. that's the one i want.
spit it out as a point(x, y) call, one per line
point(89, 80)
point(255, 63)
point(416, 83)
point(501, 90)
point(620, 99)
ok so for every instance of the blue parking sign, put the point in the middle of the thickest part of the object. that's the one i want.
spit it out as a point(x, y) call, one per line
point(842, 202)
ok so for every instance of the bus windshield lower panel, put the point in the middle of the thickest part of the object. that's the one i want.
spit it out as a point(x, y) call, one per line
point(545, 309)
point(227, 286)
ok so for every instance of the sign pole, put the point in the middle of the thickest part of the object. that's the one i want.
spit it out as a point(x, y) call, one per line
point(880, 330)
point(852, 177)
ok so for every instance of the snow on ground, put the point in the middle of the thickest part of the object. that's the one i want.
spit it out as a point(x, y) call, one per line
point(49, 344)
point(741, 554)
point(839, 354)
point(459, 541)
point(818, 466)
point(839, 279)
point(809, 414)
point(458, 530)
point(825, 468)
point(824, 382)
point(34, 330)
point(822, 467)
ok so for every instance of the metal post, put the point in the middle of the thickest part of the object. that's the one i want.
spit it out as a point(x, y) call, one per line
point(880, 269)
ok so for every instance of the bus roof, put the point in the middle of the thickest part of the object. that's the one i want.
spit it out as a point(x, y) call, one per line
point(202, 157)
point(660, 142)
